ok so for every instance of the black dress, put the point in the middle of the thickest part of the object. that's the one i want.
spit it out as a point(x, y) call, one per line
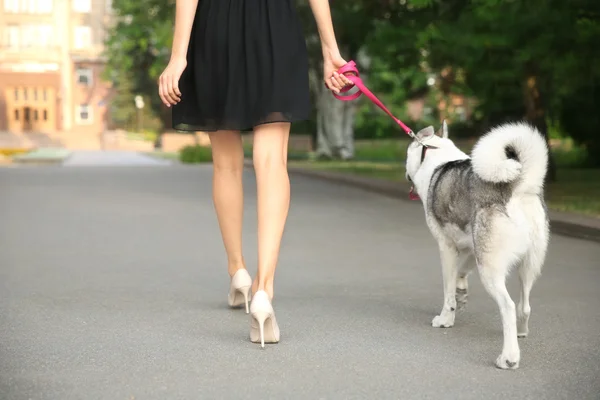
point(247, 65)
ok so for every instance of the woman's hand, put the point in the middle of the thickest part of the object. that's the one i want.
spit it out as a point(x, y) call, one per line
point(168, 83)
point(334, 81)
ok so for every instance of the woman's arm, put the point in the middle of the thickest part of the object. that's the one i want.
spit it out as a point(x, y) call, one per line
point(322, 13)
point(185, 11)
point(332, 59)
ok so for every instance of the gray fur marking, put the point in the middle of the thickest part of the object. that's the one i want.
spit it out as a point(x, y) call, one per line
point(456, 192)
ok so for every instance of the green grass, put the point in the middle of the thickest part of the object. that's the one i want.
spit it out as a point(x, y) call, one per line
point(576, 190)
point(164, 155)
point(146, 136)
point(388, 171)
point(381, 150)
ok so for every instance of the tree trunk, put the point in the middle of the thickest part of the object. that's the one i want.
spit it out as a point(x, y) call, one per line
point(536, 115)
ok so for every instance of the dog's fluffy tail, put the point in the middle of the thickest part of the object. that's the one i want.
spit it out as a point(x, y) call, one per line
point(512, 153)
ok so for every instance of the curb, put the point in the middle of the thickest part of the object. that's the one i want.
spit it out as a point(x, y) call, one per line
point(561, 223)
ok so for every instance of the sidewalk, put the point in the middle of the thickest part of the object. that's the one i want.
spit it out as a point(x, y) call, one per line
point(43, 156)
point(562, 223)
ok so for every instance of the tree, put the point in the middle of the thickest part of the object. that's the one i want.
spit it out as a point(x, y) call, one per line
point(138, 48)
point(578, 96)
point(520, 58)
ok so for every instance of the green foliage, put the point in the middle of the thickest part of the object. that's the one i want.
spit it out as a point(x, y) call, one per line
point(195, 155)
point(520, 59)
point(138, 49)
point(532, 59)
point(569, 154)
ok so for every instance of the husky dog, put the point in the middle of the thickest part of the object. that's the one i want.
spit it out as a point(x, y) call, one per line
point(488, 212)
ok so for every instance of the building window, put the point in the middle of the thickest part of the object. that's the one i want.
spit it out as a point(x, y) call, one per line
point(36, 36)
point(16, 115)
point(84, 76)
point(45, 35)
point(83, 37)
point(11, 36)
point(35, 96)
point(11, 6)
point(28, 6)
point(45, 115)
point(84, 114)
point(45, 6)
point(17, 94)
point(29, 36)
point(25, 94)
point(45, 95)
point(35, 115)
point(82, 6)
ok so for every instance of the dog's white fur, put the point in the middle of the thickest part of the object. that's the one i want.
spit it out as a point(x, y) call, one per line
point(518, 236)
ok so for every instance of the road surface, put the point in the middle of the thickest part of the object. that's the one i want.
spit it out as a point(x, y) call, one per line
point(113, 286)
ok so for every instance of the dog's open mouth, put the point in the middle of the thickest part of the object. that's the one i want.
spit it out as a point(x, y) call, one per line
point(412, 194)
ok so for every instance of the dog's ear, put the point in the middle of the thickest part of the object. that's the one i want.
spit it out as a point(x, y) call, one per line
point(425, 133)
point(443, 131)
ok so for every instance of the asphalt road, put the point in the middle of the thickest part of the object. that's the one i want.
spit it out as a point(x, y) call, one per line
point(113, 286)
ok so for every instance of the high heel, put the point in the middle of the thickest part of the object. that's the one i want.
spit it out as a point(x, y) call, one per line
point(263, 327)
point(239, 291)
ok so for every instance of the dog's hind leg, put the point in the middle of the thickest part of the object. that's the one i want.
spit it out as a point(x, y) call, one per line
point(529, 269)
point(449, 258)
point(493, 270)
point(467, 264)
point(527, 275)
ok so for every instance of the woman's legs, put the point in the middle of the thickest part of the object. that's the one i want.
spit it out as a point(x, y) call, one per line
point(273, 192)
point(228, 194)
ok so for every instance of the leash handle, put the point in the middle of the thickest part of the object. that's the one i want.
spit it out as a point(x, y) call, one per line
point(351, 72)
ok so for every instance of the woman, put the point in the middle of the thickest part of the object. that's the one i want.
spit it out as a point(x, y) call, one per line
point(238, 65)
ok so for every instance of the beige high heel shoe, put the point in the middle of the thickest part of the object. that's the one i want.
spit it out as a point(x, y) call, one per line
point(263, 326)
point(239, 291)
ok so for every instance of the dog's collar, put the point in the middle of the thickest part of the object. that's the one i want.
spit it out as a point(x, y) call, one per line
point(412, 194)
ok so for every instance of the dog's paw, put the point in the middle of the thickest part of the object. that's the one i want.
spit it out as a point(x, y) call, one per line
point(507, 362)
point(443, 321)
point(522, 334)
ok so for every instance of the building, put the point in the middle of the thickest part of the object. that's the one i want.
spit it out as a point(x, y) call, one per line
point(50, 66)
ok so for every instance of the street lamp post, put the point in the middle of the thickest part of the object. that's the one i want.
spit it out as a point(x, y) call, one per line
point(139, 104)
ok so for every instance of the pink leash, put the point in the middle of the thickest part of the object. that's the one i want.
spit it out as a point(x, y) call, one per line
point(352, 74)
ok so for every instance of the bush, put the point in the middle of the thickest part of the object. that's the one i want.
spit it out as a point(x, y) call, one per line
point(567, 154)
point(195, 155)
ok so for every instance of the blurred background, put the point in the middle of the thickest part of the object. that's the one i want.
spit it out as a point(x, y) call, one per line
point(81, 74)
point(112, 269)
